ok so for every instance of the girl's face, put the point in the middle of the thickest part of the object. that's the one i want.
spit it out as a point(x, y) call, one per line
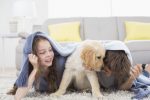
point(45, 53)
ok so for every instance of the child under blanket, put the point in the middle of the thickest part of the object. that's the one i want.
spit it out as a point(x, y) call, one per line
point(54, 55)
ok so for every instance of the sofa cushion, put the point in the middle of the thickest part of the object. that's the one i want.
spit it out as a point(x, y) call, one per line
point(121, 25)
point(137, 30)
point(140, 51)
point(138, 45)
point(62, 20)
point(69, 31)
point(140, 57)
point(102, 28)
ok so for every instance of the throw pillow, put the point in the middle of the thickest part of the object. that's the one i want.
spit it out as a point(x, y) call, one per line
point(63, 32)
point(137, 31)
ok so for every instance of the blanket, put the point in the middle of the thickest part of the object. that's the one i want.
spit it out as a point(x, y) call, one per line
point(141, 86)
point(62, 52)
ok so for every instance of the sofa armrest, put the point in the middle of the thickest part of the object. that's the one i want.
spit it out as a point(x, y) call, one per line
point(23, 35)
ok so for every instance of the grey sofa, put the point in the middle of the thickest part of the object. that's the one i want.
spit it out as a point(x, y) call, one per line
point(101, 28)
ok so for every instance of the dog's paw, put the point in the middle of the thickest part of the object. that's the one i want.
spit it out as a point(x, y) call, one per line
point(57, 93)
point(98, 95)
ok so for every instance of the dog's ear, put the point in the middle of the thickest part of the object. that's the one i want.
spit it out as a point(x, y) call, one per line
point(88, 57)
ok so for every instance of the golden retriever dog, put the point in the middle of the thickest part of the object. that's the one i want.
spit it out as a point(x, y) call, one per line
point(81, 67)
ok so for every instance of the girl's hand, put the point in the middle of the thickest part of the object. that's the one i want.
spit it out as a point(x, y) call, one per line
point(33, 60)
point(135, 72)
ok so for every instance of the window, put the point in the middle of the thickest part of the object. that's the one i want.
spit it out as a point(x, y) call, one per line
point(78, 8)
point(97, 8)
point(130, 7)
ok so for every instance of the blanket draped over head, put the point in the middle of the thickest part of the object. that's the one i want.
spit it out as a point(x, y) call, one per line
point(61, 53)
point(141, 86)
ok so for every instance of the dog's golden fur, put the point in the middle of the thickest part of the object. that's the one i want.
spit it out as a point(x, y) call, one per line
point(91, 57)
point(81, 67)
point(119, 65)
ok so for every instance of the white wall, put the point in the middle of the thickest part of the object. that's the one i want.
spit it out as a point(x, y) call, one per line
point(42, 11)
point(5, 17)
point(98, 8)
point(79, 8)
point(6, 13)
point(130, 7)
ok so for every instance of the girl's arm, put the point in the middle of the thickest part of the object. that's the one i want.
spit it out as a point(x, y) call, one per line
point(22, 91)
point(135, 72)
point(127, 85)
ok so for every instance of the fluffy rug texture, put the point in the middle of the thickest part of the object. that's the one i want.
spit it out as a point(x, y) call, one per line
point(8, 79)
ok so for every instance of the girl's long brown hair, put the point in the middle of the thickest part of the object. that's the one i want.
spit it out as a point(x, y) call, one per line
point(51, 77)
point(118, 62)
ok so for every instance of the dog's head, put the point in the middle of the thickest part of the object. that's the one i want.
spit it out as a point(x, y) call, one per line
point(92, 55)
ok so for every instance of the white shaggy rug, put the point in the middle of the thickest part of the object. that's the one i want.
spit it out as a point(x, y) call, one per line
point(6, 83)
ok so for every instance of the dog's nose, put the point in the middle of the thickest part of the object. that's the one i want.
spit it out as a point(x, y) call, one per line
point(102, 67)
point(98, 69)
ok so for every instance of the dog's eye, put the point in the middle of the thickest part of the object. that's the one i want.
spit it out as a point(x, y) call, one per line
point(98, 57)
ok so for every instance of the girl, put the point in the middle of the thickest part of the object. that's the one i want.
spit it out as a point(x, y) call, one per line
point(42, 70)
point(42, 67)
